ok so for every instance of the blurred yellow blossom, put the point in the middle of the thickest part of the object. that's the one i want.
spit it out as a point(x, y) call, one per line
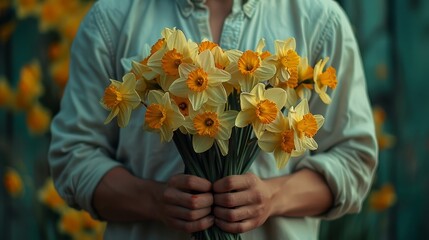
point(383, 198)
point(26, 8)
point(29, 85)
point(60, 72)
point(6, 93)
point(13, 182)
point(71, 222)
point(384, 139)
point(38, 119)
point(49, 196)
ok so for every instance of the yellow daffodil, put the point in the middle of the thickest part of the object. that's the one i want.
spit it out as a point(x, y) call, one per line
point(210, 124)
point(202, 82)
point(260, 49)
point(250, 69)
point(261, 108)
point(306, 125)
point(29, 85)
point(71, 222)
point(281, 141)
point(26, 8)
point(323, 80)
point(38, 119)
point(50, 197)
point(13, 182)
point(60, 72)
point(286, 60)
point(167, 60)
point(120, 98)
point(383, 198)
point(6, 93)
point(162, 115)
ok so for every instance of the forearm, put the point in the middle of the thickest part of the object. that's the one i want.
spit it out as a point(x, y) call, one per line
point(303, 193)
point(120, 196)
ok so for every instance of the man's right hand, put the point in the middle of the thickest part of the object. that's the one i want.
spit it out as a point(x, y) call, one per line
point(185, 203)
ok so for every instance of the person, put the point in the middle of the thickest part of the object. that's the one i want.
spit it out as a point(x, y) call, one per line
point(128, 178)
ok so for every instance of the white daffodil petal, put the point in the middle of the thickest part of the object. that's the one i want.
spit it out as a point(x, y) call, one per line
point(265, 71)
point(111, 115)
point(185, 69)
point(154, 96)
point(276, 95)
point(166, 134)
point(320, 120)
point(124, 115)
point(223, 146)
point(281, 157)
point(216, 95)
point(247, 101)
point(217, 76)
point(197, 99)
point(309, 143)
point(258, 128)
point(244, 118)
point(179, 88)
point(268, 141)
point(206, 60)
point(202, 143)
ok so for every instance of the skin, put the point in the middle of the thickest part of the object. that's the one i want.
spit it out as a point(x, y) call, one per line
point(240, 203)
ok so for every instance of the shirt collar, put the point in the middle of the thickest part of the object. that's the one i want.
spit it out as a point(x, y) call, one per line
point(188, 6)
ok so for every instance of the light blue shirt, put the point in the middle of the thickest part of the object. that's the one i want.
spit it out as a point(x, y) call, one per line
point(83, 149)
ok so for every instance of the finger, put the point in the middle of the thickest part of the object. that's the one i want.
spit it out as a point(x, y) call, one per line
point(235, 214)
point(234, 183)
point(190, 183)
point(191, 201)
point(191, 226)
point(235, 199)
point(236, 227)
point(187, 214)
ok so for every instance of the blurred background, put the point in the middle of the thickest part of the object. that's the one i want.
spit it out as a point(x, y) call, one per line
point(35, 37)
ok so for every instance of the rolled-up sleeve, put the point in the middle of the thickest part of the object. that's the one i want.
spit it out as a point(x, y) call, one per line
point(347, 153)
point(82, 148)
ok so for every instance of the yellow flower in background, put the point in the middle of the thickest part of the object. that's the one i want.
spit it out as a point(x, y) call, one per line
point(306, 125)
point(167, 60)
point(261, 108)
point(38, 119)
point(384, 140)
point(13, 182)
point(210, 124)
point(29, 86)
point(6, 93)
point(26, 8)
point(286, 60)
point(71, 222)
point(249, 70)
point(120, 98)
point(323, 80)
point(202, 82)
point(75, 13)
point(162, 115)
point(281, 142)
point(49, 196)
point(383, 198)
point(60, 72)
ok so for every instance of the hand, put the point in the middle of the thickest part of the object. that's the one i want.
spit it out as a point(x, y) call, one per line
point(242, 202)
point(181, 208)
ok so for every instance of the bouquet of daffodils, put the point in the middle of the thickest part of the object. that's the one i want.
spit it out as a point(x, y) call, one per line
point(221, 107)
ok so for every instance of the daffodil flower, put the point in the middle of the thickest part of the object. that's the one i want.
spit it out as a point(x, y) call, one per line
point(282, 142)
point(167, 60)
point(306, 125)
point(261, 108)
point(210, 124)
point(286, 60)
point(259, 49)
point(162, 115)
point(323, 80)
point(120, 98)
point(250, 69)
point(202, 82)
